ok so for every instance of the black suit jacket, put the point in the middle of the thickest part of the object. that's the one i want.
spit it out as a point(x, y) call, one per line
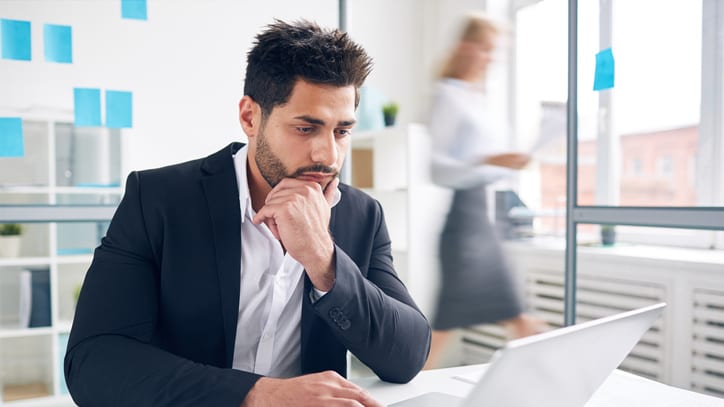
point(156, 319)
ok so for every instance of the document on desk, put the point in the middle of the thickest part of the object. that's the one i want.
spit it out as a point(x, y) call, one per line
point(471, 377)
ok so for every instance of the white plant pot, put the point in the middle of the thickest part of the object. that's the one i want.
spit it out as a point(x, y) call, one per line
point(9, 246)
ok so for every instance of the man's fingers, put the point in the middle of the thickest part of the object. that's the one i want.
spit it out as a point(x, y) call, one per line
point(272, 225)
point(331, 190)
point(357, 394)
point(349, 390)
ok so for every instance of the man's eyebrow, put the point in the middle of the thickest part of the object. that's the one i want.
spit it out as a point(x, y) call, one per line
point(319, 122)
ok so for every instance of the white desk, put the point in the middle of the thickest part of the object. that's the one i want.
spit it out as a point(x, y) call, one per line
point(621, 389)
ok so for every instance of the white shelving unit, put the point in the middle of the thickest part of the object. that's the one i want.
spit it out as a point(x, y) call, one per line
point(392, 165)
point(62, 165)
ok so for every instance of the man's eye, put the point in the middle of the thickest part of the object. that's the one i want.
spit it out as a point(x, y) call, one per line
point(343, 132)
point(305, 130)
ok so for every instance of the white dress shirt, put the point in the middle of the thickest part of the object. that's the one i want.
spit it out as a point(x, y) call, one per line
point(464, 131)
point(268, 338)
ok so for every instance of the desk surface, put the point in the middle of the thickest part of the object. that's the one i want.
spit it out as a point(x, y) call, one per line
point(621, 389)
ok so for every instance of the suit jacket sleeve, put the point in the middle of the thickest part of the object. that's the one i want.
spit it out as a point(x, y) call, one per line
point(372, 313)
point(112, 359)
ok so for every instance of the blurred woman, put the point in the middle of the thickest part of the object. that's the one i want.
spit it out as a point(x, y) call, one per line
point(469, 153)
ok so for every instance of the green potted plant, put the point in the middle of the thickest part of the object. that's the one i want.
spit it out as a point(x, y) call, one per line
point(608, 234)
point(389, 110)
point(10, 239)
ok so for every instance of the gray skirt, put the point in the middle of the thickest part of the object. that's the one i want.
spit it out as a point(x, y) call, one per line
point(476, 286)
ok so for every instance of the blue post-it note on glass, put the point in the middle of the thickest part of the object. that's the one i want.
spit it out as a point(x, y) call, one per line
point(11, 137)
point(58, 43)
point(119, 109)
point(15, 39)
point(87, 107)
point(133, 9)
point(605, 70)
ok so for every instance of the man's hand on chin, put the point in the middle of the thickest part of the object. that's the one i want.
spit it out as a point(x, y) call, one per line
point(297, 212)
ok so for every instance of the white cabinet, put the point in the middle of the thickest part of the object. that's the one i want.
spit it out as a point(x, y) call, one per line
point(392, 165)
point(62, 165)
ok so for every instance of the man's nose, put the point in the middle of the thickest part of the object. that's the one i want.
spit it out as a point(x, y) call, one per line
point(324, 149)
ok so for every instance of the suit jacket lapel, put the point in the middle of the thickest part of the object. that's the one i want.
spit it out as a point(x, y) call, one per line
point(222, 197)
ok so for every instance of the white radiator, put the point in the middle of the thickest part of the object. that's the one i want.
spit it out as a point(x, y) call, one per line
point(707, 361)
point(598, 296)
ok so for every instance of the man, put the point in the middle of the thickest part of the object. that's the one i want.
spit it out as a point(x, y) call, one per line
point(244, 277)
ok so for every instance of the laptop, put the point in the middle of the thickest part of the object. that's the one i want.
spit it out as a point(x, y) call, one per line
point(561, 368)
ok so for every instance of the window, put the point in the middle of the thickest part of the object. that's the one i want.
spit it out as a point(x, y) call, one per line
point(648, 164)
point(665, 166)
point(653, 140)
point(635, 167)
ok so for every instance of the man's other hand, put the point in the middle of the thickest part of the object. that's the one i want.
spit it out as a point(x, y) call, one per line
point(326, 389)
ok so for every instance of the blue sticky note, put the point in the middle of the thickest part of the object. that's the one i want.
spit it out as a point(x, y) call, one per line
point(11, 137)
point(58, 43)
point(133, 9)
point(15, 39)
point(87, 107)
point(605, 70)
point(119, 109)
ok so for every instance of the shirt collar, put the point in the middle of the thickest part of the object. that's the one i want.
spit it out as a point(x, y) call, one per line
point(241, 180)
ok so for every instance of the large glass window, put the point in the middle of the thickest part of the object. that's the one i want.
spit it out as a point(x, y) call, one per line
point(647, 137)
point(646, 212)
point(653, 140)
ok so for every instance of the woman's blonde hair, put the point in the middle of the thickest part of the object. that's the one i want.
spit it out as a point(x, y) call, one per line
point(477, 28)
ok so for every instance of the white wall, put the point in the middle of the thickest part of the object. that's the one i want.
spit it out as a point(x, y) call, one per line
point(407, 39)
point(390, 32)
point(184, 65)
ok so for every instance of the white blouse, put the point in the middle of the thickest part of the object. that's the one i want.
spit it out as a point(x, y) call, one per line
point(464, 131)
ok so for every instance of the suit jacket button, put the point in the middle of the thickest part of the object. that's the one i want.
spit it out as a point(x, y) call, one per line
point(343, 323)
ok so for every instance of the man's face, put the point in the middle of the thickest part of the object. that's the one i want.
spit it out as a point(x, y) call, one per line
point(305, 138)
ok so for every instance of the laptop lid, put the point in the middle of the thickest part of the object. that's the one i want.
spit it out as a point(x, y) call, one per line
point(561, 368)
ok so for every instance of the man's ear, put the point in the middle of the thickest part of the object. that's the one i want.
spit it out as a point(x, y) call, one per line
point(249, 116)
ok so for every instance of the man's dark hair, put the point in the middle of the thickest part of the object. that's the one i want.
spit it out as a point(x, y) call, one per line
point(287, 52)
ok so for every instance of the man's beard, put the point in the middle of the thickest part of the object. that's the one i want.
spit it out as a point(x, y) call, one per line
point(272, 168)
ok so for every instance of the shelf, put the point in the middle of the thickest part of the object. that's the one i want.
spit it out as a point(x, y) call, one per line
point(64, 191)
point(363, 136)
point(626, 250)
point(63, 326)
point(24, 189)
point(25, 261)
point(44, 261)
point(76, 258)
point(24, 332)
point(50, 401)
point(29, 189)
